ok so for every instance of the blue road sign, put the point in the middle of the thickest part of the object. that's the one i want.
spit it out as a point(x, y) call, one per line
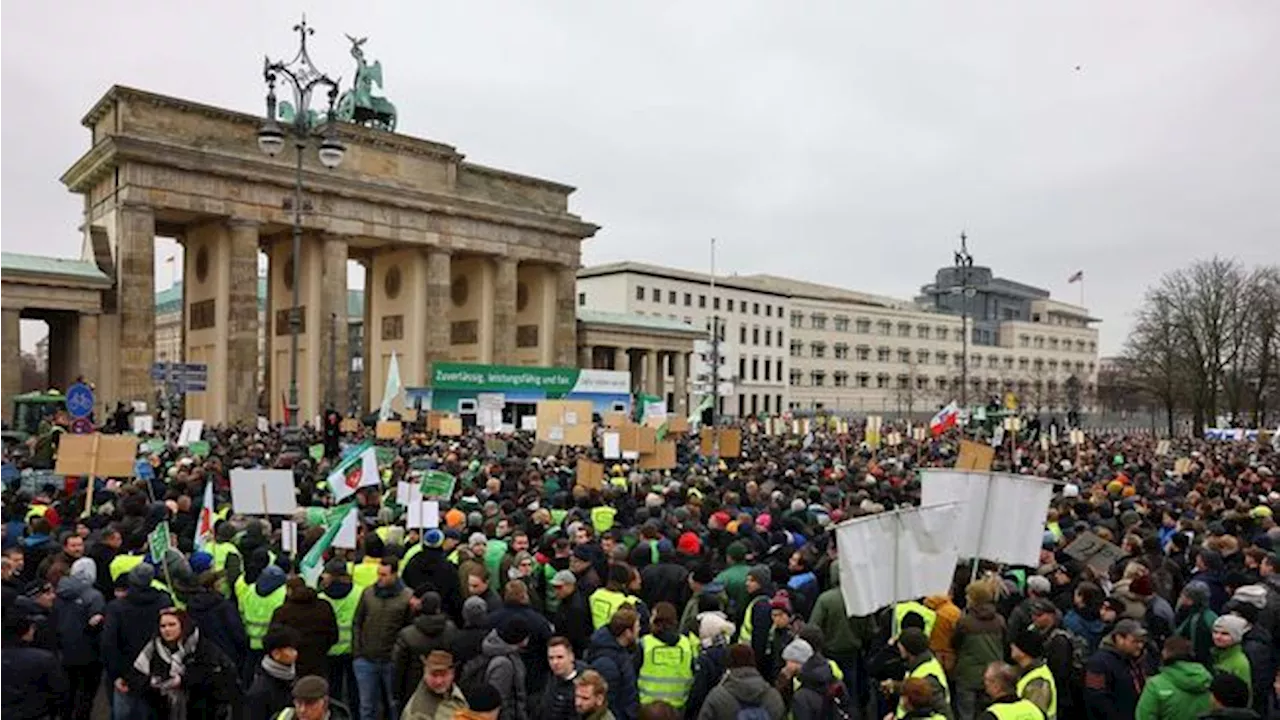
point(79, 400)
point(181, 377)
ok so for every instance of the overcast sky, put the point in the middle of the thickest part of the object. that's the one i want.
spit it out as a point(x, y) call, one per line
point(838, 142)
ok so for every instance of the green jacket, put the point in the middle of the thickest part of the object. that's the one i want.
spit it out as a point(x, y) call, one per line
point(1234, 661)
point(843, 636)
point(734, 580)
point(1179, 692)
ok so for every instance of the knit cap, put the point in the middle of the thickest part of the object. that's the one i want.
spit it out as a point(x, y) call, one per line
point(141, 576)
point(1232, 625)
point(797, 650)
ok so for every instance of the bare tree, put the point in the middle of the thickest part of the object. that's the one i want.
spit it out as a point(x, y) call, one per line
point(1152, 362)
point(1263, 345)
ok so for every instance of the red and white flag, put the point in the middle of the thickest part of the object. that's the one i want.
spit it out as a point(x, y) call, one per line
point(204, 524)
point(1077, 277)
point(945, 419)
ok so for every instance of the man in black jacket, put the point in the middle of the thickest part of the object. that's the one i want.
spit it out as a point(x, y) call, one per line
point(557, 700)
point(103, 552)
point(32, 684)
point(1113, 678)
point(272, 686)
point(572, 618)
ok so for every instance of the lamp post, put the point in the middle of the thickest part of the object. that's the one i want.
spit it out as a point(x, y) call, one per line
point(303, 79)
point(964, 263)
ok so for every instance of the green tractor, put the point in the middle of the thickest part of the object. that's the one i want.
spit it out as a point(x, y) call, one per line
point(29, 410)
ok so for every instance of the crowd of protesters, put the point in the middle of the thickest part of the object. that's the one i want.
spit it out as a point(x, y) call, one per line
point(709, 591)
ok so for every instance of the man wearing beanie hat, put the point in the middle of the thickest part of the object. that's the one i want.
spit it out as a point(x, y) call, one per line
point(1035, 681)
point(1196, 621)
point(734, 577)
point(757, 617)
point(273, 679)
point(913, 646)
point(129, 625)
point(1228, 651)
point(1231, 697)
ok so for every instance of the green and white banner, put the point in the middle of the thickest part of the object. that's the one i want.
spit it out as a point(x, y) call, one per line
point(553, 381)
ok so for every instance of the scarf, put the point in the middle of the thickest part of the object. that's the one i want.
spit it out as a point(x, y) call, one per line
point(165, 667)
point(277, 670)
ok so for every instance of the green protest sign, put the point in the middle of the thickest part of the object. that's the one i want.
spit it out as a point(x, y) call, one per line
point(386, 455)
point(316, 451)
point(159, 541)
point(154, 446)
point(199, 448)
point(438, 484)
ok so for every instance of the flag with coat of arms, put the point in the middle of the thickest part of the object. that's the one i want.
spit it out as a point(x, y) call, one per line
point(358, 469)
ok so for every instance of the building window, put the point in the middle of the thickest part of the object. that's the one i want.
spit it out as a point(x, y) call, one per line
point(1023, 364)
point(393, 327)
point(904, 355)
point(640, 292)
point(671, 297)
point(797, 320)
point(755, 308)
point(882, 381)
point(1053, 366)
point(582, 299)
point(742, 369)
point(863, 326)
point(922, 357)
point(767, 367)
point(1038, 365)
point(884, 327)
point(940, 383)
point(819, 321)
point(795, 377)
point(1008, 363)
point(1053, 343)
point(904, 329)
point(779, 337)
point(942, 333)
point(768, 337)
point(882, 354)
point(702, 301)
point(464, 332)
point(742, 334)
point(840, 378)
point(715, 303)
point(1024, 340)
point(863, 380)
point(818, 349)
point(527, 336)
point(959, 359)
point(993, 362)
point(1093, 347)
point(922, 332)
point(657, 295)
point(755, 369)
point(796, 348)
point(842, 324)
point(768, 312)
point(766, 403)
point(282, 320)
point(755, 336)
point(202, 315)
point(777, 372)
point(922, 382)
point(818, 378)
point(863, 353)
point(729, 304)
point(688, 299)
point(941, 358)
point(1039, 342)
point(842, 351)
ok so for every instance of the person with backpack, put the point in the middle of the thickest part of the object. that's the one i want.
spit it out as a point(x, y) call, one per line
point(1194, 621)
point(743, 694)
point(818, 693)
point(1035, 681)
point(501, 667)
point(610, 654)
point(1065, 654)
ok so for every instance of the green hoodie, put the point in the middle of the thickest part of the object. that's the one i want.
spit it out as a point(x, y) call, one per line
point(1234, 661)
point(1179, 692)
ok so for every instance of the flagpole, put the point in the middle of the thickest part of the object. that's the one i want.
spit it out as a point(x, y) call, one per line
point(1081, 290)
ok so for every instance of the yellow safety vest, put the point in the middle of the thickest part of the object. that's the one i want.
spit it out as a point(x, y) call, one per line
point(220, 553)
point(1020, 710)
point(903, 609)
point(602, 518)
point(257, 614)
point(36, 511)
point(930, 668)
point(158, 584)
point(404, 561)
point(1041, 672)
point(344, 612)
point(122, 564)
point(605, 602)
point(241, 589)
point(666, 673)
point(365, 573)
point(748, 626)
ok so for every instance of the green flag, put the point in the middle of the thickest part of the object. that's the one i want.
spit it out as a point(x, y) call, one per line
point(702, 407)
point(663, 429)
point(438, 484)
point(316, 451)
point(313, 562)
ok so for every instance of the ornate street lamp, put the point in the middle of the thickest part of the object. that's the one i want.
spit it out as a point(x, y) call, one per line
point(301, 76)
point(964, 263)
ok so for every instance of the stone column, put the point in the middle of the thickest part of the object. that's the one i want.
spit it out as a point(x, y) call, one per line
point(652, 375)
point(566, 328)
point(334, 359)
point(439, 280)
point(585, 358)
point(242, 323)
point(11, 351)
point(366, 337)
point(135, 249)
point(681, 372)
point(504, 310)
point(87, 349)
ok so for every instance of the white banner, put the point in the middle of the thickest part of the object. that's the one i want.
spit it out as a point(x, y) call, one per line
point(1004, 514)
point(891, 557)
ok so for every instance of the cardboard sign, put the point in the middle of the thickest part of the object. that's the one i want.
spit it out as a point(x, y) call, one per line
point(918, 433)
point(975, 456)
point(590, 474)
point(97, 455)
point(543, 449)
point(615, 419)
point(1162, 447)
point(638, 438)
point(678, 424)
point(451, 426)
point(349, 425)
point(730, 442)
point(1077, 437)
point(1095, 552)
point(1181, 466)
point(663, 457)
point(496, 447)
point(388, 430)
point(263, 492)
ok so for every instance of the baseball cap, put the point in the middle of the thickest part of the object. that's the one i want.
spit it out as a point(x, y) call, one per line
point(1132, 627)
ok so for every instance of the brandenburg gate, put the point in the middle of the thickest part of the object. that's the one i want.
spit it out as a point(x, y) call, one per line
point(462, 262)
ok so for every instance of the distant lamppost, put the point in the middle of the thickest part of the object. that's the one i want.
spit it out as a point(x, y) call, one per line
point(301, 76)
point(964, 263)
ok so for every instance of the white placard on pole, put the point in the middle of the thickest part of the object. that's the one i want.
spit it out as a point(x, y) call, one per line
point(529, 423)
point(143, 424)
point(612, 445)
point(191, 431)
point(430, 514)
point(289, 536)
point(250, 489)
